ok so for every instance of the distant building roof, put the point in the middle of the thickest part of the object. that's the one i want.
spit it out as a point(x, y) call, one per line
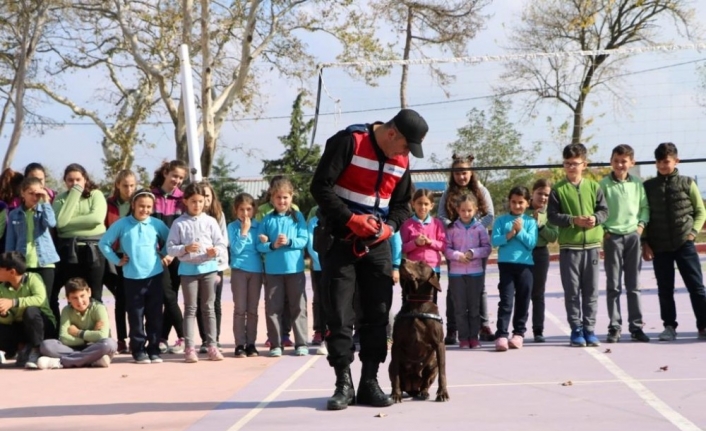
point(435, 181)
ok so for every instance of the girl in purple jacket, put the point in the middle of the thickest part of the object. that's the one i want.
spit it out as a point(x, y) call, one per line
point(467, 245)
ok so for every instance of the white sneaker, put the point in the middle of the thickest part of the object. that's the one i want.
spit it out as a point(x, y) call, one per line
point(669, 334)
point(47, 363)
point(103, 362)
point(322, 350)
point(178, 347)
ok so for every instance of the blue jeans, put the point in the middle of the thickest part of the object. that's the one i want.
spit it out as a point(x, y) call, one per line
point(515, 286)
point(687, 260)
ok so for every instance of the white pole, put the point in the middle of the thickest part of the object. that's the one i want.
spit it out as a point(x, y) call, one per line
point(187, 93)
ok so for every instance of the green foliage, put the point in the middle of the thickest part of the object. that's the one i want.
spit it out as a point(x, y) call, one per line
point(224, 184)
point(494, 141)
point(299, 160)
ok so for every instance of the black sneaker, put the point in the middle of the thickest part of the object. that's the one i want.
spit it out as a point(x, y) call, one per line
point(156, 359)
point(142, 358)
point(539, 338)
point(204, 348)
point(251, 351)
point(639, 335)
point(240, 351)
point(613, 336)
point(451, 338)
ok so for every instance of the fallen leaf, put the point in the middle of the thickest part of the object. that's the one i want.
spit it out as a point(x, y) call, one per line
point(607, 351)
point(380, 415)
point(664, 368)
point(567, 383)
point(124, 375)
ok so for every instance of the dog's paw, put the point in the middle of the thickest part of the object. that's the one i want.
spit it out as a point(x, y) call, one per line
point(442, 396)
point(396, 397)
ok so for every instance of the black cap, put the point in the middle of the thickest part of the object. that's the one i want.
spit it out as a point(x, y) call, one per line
point(414, 128)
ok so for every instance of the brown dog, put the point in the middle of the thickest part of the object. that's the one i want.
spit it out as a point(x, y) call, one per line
point(418, 351)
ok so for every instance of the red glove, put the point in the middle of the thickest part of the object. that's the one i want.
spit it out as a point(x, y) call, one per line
point(385, 233)
point(363, 225)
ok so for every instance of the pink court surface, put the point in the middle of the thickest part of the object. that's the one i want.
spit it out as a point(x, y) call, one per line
point(648, 387)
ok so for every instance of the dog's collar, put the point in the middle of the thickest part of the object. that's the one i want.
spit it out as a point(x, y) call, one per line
point(413, 315)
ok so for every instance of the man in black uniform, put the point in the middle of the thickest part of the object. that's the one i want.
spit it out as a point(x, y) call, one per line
point(363, 188)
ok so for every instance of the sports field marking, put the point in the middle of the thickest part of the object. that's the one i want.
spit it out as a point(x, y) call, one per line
point(273, 395)
point(543, 383)
point(641, 390)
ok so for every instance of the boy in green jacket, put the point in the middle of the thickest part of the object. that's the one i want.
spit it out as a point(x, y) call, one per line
point(578, 208)
point(84, 333)
point(25, 317)
point(629, 214)
point(677, 215)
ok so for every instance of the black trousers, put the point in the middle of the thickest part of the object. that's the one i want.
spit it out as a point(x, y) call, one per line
point(114, 282)
point(92, 272)
point(341, 270)
point(144, 299)
point(172, 313)
point(34, 328)
point(48, 275)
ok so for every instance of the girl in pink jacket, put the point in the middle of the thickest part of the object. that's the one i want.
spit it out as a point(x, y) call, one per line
point(467, 244)
point(424, 236)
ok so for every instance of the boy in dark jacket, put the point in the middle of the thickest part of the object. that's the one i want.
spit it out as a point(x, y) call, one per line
point(677, 215)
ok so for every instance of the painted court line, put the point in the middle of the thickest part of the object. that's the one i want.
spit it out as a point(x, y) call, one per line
point(641, 390)
point(544, 383)
point(273, 395)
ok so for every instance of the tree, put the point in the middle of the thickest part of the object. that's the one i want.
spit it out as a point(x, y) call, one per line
point(231, 44)
point(494, 141)
point(23, 26)
point(299, 159)
point(446, 25)
point(585, 25)
point(225, 185)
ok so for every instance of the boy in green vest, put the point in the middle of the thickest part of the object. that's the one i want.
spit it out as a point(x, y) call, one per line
point(25, 317)
point(629, 214)
point(677, 215)
point(84, 333)
point(578, 208)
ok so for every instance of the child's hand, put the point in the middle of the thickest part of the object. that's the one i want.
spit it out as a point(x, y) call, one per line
point(124, 260)
point(590, 221)
point(192, 248)
point(464, 259)
point(395, 276)
point(517, 224)
point(647, 253)
point(98, 326)
point(263, 238)
point(420, 241)
point(281, 240)
point(167, 260)
point(212, 251)
point(5, 305)
point(469, 255)
point(245, 225)
point(74, 331)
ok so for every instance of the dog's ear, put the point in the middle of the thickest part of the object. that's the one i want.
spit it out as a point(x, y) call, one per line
point(434, 281)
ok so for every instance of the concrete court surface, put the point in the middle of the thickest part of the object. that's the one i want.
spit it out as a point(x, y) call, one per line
point(655, 386)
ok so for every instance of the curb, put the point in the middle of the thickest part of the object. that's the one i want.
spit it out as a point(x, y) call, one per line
point(554, 257)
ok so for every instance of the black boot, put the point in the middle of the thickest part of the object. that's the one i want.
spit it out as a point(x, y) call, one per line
point(369, 392)
point(344, 395)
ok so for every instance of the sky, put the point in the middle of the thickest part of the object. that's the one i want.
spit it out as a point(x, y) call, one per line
point(661, 106)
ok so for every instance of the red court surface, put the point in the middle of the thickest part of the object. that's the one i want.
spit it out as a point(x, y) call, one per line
point(655, 386)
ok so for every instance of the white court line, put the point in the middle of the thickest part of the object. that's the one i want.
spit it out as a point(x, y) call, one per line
point(641, 390)
point(544, 383)
point(274, 394)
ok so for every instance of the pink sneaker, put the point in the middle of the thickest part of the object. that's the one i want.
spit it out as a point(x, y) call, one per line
point(474, 343)
point(287, 342)
point(464, 344)
point(501, 344)
point(268, 344)
point(214, 354)
point(190, 355)
point(516, 341)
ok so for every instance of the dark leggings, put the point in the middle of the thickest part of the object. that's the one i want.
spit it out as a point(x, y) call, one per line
point(48, 275)
point(115, 284)
point(172, 313)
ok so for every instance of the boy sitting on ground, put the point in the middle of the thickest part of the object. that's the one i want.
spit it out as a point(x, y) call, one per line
point(84, 333)
point(25, 316)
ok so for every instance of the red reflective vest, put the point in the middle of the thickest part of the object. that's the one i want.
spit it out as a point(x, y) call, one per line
point(366, 185)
